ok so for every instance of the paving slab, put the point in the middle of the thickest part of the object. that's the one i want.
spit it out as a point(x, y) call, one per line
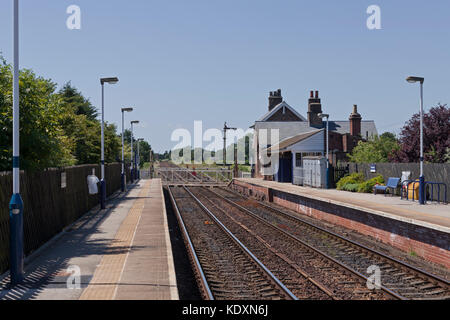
point(112, 252)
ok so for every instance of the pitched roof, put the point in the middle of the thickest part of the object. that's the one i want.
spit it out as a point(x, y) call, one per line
point(283, 104)
point(292, 140)
point(367, 127)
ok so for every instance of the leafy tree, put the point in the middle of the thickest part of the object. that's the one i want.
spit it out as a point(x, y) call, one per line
point(436, 137)
point(43, 143)
point(73, 99)
point(56, 128)
point(376, 150)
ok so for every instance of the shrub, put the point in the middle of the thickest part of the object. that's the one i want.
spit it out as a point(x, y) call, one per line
point(352, 187)
point(354, 178)
point(367, 187)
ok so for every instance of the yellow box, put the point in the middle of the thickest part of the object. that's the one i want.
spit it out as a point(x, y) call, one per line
point(413, 191)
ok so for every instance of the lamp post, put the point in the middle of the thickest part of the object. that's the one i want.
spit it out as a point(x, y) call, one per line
point(225, 129)
point(102, 181)
point(123, 182)
point(133, 160)
point(327, 116)
point(16, 203)
point(139, 158)
point(422, 176)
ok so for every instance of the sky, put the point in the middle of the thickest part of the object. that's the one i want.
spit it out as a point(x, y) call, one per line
point(216, 61)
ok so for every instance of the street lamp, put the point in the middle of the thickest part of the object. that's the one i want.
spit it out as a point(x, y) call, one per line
point(422, 177)
point(327, 116)
point(139, 158)
point(123, 182)
point(16, 203)
point(133, 161)
point(103, 182)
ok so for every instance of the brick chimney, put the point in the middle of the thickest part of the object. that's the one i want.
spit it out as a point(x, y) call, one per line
point(314, 109)
point(275, 99)
point(355, 122)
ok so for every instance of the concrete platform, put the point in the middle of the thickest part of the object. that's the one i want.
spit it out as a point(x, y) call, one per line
point(121, 253)
point(424, 230)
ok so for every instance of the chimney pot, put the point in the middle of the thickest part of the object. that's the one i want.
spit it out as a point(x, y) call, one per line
point(355, 108)
point(317, 94)
point(312, 94)
point(275, 99)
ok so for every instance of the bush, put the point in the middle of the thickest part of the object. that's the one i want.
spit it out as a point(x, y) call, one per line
point(367, 187)
point(352, 187)
point(354, 178)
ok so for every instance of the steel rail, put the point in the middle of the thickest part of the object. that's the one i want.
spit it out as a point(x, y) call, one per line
point(243, 247)
point(418, 271)
point(203, 282)
point(355, 272)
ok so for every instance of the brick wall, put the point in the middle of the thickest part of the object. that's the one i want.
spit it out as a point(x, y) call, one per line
point(430, 244)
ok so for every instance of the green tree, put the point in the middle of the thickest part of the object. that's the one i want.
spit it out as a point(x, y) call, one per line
point(73, 99)
point(43, 143)
point(376, 150)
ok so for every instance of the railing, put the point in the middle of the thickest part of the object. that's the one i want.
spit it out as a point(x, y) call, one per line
point(337, 173)
point(428, 184)
point(245, 175)
point(438, 184)
point(195, 176)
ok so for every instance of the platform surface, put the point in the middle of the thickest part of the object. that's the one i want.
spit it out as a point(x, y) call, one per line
point(436, 216)
point(121, 253)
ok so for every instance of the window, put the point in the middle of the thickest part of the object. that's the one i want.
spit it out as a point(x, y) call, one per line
point(298, 160)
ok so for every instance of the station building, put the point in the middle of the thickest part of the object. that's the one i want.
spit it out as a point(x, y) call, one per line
point(301, 136)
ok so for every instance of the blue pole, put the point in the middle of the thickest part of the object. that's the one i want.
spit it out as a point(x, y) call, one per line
point(16, 203)
point(422, 176)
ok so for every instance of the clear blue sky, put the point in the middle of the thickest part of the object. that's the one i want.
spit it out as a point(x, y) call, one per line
point(180, 61)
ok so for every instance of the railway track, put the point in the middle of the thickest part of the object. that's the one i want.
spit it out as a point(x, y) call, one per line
point(399, 279)
point(333, 278)
point(224, 267)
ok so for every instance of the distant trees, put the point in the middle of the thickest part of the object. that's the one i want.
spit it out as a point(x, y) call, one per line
point(376, 150)
point(56, 128)
point(436, 137)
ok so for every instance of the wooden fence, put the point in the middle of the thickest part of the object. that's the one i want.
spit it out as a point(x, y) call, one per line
point(50, 205)
point(434, 172)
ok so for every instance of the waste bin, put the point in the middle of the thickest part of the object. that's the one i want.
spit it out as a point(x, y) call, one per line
point(413, 190)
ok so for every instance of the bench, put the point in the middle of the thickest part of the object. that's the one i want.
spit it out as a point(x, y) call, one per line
point(391, 184)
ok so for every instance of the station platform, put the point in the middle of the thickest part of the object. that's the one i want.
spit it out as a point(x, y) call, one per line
point(120, 253)
point(407, 225)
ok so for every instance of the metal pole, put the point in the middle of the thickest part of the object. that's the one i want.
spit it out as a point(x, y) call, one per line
point(138, 164)
point(328, 161)
point(225, 146)
point(16, 203)
point(123, 183)
point(102, 181)
point(132, 155)
point(422, 177)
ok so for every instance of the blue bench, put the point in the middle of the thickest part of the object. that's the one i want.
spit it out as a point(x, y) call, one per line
point(391, 184)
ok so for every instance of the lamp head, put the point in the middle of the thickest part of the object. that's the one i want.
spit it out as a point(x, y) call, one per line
point(134, 122)
point(323, 115)
point(415, 79)
point(127, 109)
point(112, 80)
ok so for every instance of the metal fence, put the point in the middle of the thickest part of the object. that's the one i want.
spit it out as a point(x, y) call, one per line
point(53, 199)
point(194, 176)
point(434, 172)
